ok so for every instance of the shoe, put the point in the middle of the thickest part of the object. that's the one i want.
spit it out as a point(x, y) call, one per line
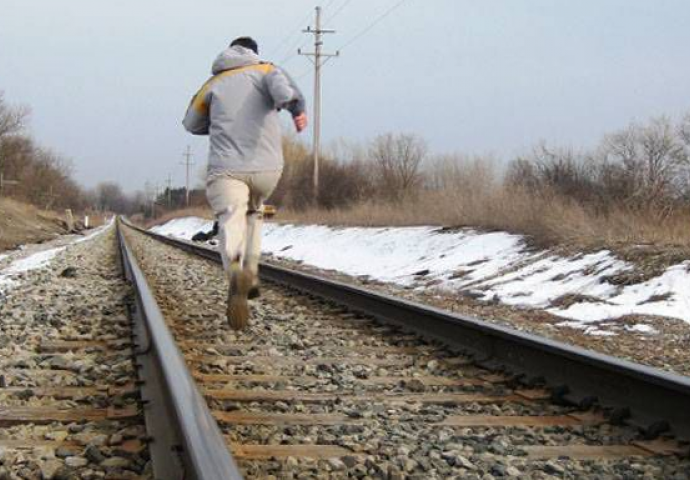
point(254, 293)
point(238, 308)
point(255, 289)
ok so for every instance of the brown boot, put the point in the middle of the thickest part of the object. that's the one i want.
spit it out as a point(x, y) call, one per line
point(238, 308)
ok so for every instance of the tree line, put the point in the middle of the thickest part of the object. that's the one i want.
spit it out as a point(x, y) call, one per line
point(31, 172)
point(643, 167)
point(34, 174)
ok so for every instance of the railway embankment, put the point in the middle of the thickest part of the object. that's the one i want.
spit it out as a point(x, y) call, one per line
point(635, 310)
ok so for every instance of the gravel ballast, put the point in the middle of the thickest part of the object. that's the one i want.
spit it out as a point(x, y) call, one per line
point(665, 348)
point(392, 440)
point(66, 325)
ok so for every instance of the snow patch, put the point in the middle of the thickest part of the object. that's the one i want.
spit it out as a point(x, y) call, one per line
point(185, 227)
point(38, 260)
point(642, 328)
point(672, 288)
point(32, 262)
point(492, 266)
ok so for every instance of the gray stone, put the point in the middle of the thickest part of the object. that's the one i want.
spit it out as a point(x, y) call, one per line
point(94, 454)
point(116, 462)
point(498, 470)
point(512, 472)
point(91, 439)
point(76, 462)
point(463, 462)
point(415, 385)
point(336, 464)
point(50, 468)
point(64, 452)
point(553, 468)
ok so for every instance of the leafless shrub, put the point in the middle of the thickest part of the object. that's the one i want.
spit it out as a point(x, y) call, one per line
point(398, 159)
point(651, 158)
point(343, 180)
point(42, 177)
point(633, 188)
point(12, 119)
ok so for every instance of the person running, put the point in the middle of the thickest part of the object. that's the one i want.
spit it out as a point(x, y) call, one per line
point(238, 108)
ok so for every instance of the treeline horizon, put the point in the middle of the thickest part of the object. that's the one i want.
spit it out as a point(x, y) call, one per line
point(633, 185)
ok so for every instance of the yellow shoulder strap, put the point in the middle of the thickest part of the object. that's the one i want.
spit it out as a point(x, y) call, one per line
point(199, 103)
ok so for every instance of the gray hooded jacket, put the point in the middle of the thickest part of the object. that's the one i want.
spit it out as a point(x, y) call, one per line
point(238, 108)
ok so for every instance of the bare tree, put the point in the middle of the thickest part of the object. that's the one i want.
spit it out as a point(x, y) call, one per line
point(398, 160)
point(109, 197)
point(12, 119)
point(653, 157)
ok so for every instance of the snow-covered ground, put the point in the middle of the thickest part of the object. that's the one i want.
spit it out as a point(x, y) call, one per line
point(184, 227)
point(492, 266)
point(9, 276)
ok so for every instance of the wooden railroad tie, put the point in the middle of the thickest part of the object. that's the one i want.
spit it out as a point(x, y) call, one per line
point(45, 415)
point(328, 419)
point(340, 349)
point(57, 346)
point(388, 380)
point(430, 398)
point(602, 452)
point(319, 360)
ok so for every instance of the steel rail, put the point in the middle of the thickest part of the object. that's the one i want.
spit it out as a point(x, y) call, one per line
point(186, 441)
point(651, 399)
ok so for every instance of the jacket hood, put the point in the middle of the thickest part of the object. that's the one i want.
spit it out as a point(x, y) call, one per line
point(234, 57)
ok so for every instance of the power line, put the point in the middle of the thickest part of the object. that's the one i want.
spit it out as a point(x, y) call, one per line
point(289, 36)
point(340, 9)
point(372, 25)
point(302, 75)
point(293, 51)
point(296, 31)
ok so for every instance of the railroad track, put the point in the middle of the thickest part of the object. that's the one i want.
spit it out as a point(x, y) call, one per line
point(334, 382)
point(69, 404)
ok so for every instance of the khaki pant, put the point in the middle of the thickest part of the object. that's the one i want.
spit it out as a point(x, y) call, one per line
point(237, 202)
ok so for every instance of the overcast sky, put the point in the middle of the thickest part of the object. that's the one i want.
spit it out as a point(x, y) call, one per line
point(108, 82)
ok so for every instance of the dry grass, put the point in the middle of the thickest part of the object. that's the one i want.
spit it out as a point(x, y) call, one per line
point(472, 195)
point(21, 223)
point(547, 220)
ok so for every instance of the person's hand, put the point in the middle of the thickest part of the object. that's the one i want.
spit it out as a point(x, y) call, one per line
point(300, 122)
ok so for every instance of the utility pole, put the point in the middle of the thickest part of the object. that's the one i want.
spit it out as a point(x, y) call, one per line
point(4, 182)
point(319, 60)
point(169, 192)
point(150, 197)
point(187, 163)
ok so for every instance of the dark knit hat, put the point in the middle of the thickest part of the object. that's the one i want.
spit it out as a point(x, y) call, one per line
point(246, 42)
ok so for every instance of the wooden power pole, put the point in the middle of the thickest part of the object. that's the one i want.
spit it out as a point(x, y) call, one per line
point(319, 59)
point(169, 192)
point(187, 163)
